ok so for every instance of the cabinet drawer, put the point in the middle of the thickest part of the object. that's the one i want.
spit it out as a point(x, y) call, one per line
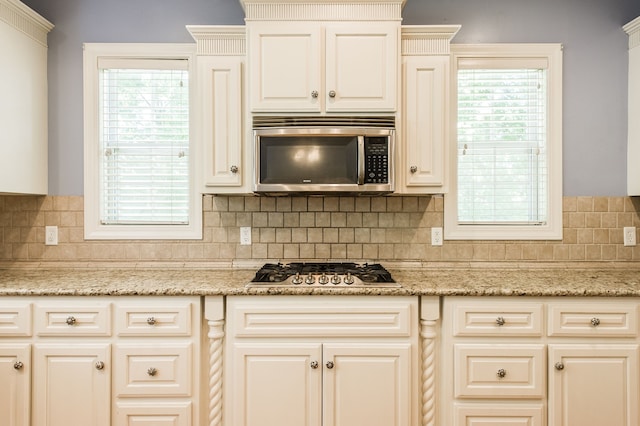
point(322, 316)
point(499, 371)
point(497, 318)
point(76, 318)
point(593, 319)
point(503, 415)
point(161, 413)
point(172, 319)
point(15, 319)
point(159, 369)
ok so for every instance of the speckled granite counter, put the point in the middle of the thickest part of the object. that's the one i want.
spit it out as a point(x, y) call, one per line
point(458, 281)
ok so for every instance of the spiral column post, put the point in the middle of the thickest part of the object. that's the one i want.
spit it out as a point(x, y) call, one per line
point(429, 319)
point(214, 313)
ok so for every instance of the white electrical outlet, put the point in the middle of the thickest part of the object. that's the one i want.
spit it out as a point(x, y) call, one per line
point(51, 235)
point(629, 235)
point(245, 235)
point(436, 236)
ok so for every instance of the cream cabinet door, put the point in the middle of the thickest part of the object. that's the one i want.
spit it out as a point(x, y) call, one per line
point(276, 384)
point(71, 385)
point(220, 124)
point(367, 384)
point(593, 385)
point(284, 66)
point(15, 379)
point(361, 66)
point(425, 124)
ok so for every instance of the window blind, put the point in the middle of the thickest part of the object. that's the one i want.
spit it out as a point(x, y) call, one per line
point(144, 141)
point(502, 146)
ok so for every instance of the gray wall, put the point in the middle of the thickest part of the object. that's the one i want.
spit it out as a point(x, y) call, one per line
point(595, 66)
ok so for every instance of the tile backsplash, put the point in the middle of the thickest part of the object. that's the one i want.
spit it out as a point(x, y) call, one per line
point(396, 228)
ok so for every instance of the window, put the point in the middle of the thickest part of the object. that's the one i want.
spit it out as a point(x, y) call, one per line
point(139, 181)
point(507, 151)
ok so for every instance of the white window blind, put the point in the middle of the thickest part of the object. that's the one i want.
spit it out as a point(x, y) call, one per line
point(144, 141)
point(502, 144)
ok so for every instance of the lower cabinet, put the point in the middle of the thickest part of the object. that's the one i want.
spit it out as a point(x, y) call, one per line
point(100, 361)
point(15, 376)
point(321, 361)
point(593, 384)
point(539, 362)
point(71, 384)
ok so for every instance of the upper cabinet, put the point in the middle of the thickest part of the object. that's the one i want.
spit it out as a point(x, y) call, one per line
point(23, 104)
point(425, 122)
point(335, 56)
point(633, 147)
point(316, 67)
point(224, 151)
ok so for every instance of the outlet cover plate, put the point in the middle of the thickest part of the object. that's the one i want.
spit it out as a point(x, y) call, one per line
point(51, 235)
point(245, 235)
point(629, 236)
point(436, 236)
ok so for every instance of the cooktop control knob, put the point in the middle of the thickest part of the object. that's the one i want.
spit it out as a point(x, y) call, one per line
point(310, 280)
point(297, 279)
point(324, 279)
point(335, 279)
point(348, 280)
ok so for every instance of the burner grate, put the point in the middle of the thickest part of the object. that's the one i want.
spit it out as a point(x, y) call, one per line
point(322, 273)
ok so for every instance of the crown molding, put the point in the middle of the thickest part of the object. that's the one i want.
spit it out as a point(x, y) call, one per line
point(633, 30)
point(219, 39)
point(323, 10)
point(25, 19)
point(427, 39)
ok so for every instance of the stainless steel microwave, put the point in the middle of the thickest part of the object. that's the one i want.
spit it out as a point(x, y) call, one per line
point(324, 159)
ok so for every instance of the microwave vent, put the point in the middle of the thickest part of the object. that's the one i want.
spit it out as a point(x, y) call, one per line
point(269, 122)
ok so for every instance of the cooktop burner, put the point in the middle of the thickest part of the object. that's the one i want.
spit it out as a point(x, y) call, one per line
point(323, 274)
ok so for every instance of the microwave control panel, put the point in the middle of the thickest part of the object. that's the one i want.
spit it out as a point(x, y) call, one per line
point(376, 159)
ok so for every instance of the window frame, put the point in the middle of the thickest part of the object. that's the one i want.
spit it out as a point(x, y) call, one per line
point(552, 229)
point(93, 228)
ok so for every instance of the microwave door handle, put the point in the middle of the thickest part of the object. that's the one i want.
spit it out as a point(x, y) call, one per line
point(360, 160)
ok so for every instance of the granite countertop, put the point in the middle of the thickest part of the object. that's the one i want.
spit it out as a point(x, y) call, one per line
point(434, 280)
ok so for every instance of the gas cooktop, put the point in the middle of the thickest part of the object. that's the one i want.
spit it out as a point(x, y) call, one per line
point(323, 274)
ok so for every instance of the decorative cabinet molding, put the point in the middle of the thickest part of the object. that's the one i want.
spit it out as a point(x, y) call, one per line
point(633, 146)
point(424, 130)
point(24, 100)
point(323, 10)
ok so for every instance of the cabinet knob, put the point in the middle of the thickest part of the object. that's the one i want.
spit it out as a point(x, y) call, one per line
point(559, 366)
point(413, 169)
point(99, 365)
point(501, 373)
point(329, 365)
point(152, 371)
point(18, 365)
point(595, 322)
point(314, 94)
point(314, 364)
point(234, 169)
point(332, 93)
point(500, 321)
point(151, 321)
point(71, 320)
